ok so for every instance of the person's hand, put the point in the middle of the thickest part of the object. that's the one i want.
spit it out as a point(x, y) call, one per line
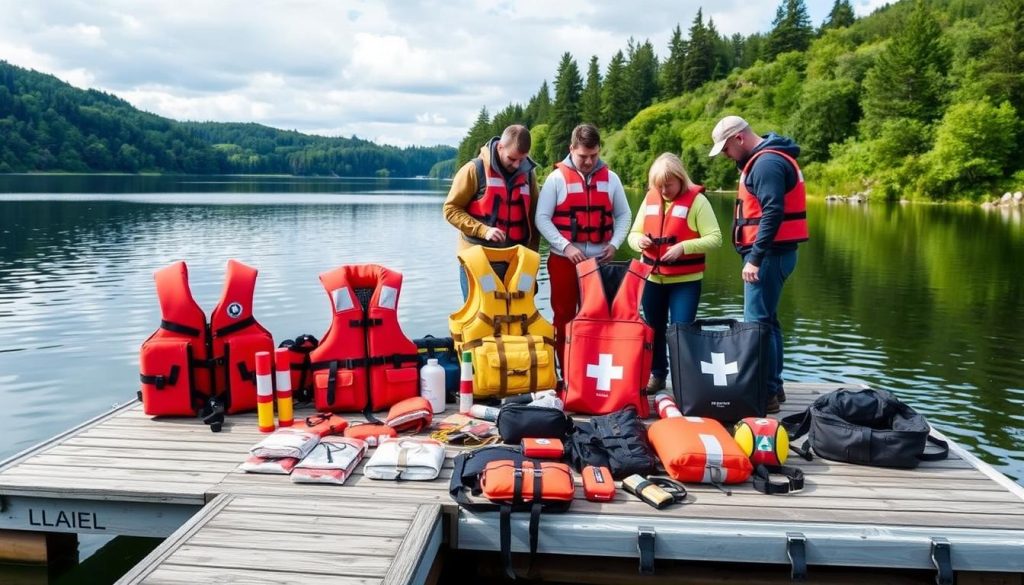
point(573, 254)
point(643, 243)
point(673, 253)
point(749, 273)
point(494, 235)
point(607, 255)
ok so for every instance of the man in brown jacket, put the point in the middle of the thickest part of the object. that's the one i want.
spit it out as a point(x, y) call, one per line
point(494, 196)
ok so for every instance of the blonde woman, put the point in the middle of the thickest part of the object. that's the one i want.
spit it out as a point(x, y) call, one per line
point(673, 229)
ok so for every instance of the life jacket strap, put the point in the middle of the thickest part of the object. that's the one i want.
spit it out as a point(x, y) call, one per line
point(179, 328)
point(229, 329)
point(364, 323)
point(764, 484)
point(159, 380)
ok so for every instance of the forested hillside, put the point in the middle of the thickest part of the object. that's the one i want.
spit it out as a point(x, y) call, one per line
point(48, 125)
point(921, 99)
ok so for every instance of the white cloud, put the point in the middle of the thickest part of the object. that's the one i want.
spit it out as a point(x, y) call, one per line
point(393, 71)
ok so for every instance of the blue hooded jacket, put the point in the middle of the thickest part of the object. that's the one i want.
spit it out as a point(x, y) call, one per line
point(769, 180)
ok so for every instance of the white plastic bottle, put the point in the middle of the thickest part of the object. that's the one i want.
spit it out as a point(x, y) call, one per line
point(432, 385)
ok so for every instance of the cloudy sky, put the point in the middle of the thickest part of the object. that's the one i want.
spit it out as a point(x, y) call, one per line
point(391, 71)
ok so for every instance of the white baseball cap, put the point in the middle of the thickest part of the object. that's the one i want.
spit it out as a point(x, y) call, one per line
point(725, 129)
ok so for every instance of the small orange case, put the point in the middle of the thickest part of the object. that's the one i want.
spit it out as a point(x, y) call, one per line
point(498, 481)
point(543, 448)
point(598, 485)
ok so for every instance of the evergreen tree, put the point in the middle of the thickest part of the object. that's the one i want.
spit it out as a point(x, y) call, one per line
point(615, 95)
point(907, 80)
point(590, 100)
point(700, 55)
point(840, 16)
point(538, 110)
point(791, 29)
point(1003, 65)
point(565, 111)
point(672, 68)
point(512, 114)
point(642, 75)
point(479, 133)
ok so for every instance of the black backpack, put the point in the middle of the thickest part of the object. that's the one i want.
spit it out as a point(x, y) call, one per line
point(867, 427)
point(617, 441)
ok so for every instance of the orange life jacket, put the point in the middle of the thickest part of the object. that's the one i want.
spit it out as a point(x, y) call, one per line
point(586, 213)
point(364, 362)
point(666, 229)
point(187, 362)
point(501, 204)
point(608, 346)
point(748, 208)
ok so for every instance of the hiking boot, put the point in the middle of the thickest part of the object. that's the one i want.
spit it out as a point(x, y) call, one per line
point(773, 405)
point(781, 396)
point(655, 384)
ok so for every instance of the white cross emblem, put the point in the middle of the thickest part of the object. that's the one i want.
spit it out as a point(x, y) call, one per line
point(719, 369)
point(604, 372)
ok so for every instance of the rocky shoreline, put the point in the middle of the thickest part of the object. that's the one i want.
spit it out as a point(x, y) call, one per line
point(1007, 200)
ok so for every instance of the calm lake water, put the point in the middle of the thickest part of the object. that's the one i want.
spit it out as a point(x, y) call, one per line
point(924, 300)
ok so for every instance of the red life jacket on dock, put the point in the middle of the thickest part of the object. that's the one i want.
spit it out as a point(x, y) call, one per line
point(188, 363)
point(364, 362)
point(608, 347)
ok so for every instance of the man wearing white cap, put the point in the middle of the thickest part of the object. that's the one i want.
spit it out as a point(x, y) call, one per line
point(770, 220)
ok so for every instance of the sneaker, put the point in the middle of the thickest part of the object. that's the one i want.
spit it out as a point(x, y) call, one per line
point(781, 396)
point(655, 384)
point(773, 405)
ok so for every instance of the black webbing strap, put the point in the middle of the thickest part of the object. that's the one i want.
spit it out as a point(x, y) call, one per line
point(796, 550)
point(942, 559)
point(332, 382)
point(366, 322)
point(159, 380)
point(229, 329)
point(535, 509)
point(939, 455)
point(791, 216)
point(679, 262)
point(245, 373)
point(178, 328)
point(764, 484)
point(645, 546)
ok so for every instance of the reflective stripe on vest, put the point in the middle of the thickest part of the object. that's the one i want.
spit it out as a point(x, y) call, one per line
point(667, 229)
point(748, 212)
point(504, 206)
point(586, 213)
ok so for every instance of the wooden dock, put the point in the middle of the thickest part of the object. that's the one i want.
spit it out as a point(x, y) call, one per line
point(124, 473)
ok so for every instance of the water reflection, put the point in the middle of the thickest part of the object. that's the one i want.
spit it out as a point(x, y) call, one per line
point(925, 300)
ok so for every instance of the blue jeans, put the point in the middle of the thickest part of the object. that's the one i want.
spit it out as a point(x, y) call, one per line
point(761, 303)
point(464, 283)
point(660, 301)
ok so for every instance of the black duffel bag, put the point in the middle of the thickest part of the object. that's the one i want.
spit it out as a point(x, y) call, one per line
point(720, 373)
point(867, 427)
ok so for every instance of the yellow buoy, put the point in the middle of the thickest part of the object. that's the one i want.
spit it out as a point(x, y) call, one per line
point(764, 440)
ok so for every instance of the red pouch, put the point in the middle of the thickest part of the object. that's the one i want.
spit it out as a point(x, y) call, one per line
point(411, 414)
point(598, 485)
point(323, 424)
point(373, 434)
point(543, 448)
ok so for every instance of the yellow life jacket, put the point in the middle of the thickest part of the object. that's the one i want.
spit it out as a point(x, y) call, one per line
point(512, 346)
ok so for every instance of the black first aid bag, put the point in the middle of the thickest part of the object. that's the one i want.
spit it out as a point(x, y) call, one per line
point(867, 427)
point(720, 368)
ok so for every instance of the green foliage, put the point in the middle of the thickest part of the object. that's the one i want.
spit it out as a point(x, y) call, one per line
point(590, 99)
point(539, 134)
point(538, 109)
point(672, 67)
point(791, 29)
point(908, 79)
point(479, 133)
point(615, 95)
point(444, 169)
point(700, 55)
point(48, 125)
point(974, 146)
point(641, 75)
point(827, 113)
point(841, 16)
point(565, 112)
